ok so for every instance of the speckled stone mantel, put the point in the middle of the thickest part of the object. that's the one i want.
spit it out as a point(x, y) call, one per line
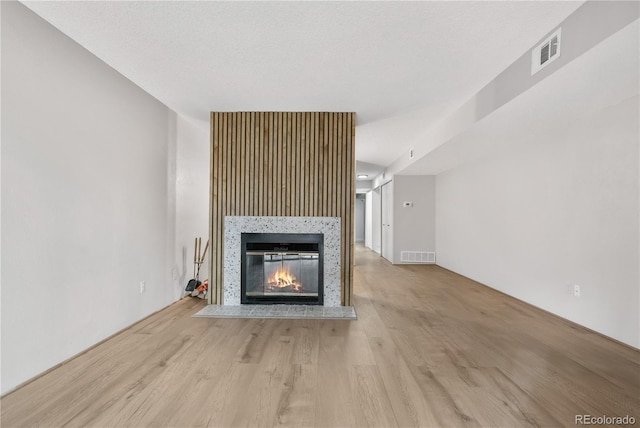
point(235, 226)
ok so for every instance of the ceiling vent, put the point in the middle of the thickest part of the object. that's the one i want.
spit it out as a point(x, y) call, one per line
point(546, 52)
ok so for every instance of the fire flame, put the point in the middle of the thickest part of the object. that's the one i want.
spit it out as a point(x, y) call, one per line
point(284, 279)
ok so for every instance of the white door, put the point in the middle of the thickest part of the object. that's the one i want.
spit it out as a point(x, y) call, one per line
point(368, 220)
point(376, 221)
point(387, 221)
point(360, 218)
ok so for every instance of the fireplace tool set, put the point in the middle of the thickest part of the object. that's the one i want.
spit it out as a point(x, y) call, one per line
point(194, 285)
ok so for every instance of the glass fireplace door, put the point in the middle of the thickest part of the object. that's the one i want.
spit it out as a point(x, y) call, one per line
point(281, 274)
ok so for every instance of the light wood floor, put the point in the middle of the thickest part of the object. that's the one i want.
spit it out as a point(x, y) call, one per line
point(430, 348)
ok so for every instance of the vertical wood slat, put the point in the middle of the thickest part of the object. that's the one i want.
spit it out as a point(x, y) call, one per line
point(245, 170)
point(315, 171)
point(305, 170)
point(298, 143)
point(231, 163)
point(239, 188)
point(326, 166)
point(213, 206)
point(349, 203)
point(315, 162)
point(290, 181)
point(278, 156)
point(282, 164)
point(295, 172)
point(261, 169)
point(223, 191)
point(255, 139)
point(270, 167)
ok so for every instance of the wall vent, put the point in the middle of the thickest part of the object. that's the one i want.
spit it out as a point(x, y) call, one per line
point(417, 257)
point(546, 52)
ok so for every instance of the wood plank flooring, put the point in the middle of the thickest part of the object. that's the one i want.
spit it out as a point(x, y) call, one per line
point(430, 348)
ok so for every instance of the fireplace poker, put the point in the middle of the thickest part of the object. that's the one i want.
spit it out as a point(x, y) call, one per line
point(198, 259)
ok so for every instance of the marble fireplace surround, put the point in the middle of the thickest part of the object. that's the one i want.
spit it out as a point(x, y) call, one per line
point(234, 226)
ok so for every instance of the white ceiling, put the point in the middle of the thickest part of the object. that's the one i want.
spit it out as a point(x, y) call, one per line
point(401, 66)
point(604, 76)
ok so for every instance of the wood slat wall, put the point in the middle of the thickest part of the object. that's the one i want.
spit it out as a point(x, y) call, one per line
point(282, 164)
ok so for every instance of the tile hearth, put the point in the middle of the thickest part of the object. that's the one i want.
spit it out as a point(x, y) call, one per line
point(278, 311)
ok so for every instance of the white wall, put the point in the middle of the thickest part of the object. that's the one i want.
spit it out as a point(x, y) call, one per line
point(564, 210)
point(88, 199)
point(192, 196)
point(363, 186)
point(414, 227)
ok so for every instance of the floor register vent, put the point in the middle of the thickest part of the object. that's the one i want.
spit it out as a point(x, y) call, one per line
point(417, 257)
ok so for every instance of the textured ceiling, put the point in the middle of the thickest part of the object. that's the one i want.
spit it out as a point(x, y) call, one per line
point(401, 66)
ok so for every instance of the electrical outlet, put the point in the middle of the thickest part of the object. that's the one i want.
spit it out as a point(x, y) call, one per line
point(143, 286)
point(576, 290)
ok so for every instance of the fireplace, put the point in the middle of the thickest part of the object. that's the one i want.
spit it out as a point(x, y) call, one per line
point(282, 268)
